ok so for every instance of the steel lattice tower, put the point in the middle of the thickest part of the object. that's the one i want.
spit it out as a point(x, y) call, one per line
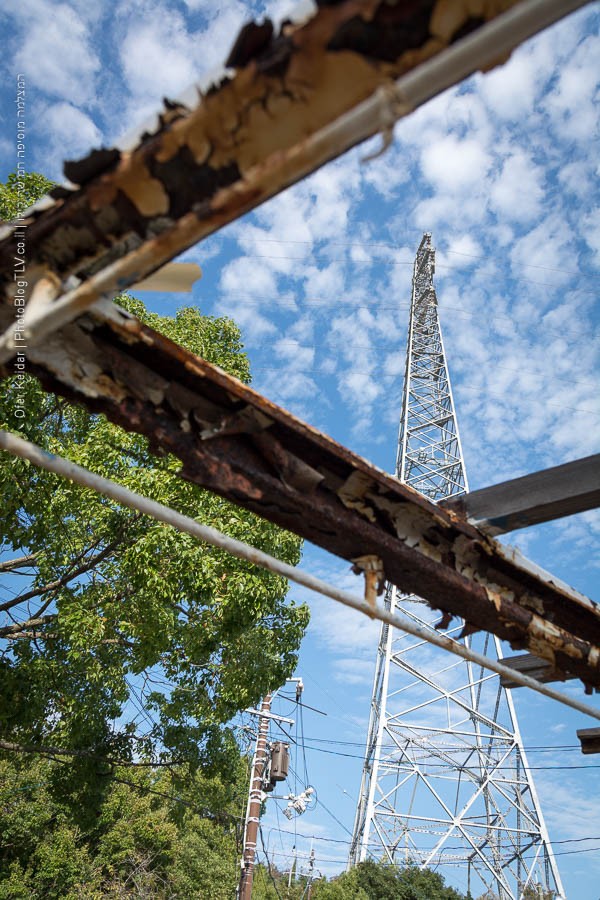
point(445, 780)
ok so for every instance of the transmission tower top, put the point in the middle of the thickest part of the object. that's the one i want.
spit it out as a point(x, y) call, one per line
point(429, 451)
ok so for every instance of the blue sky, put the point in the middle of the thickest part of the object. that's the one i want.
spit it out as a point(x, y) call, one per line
point(504, 171)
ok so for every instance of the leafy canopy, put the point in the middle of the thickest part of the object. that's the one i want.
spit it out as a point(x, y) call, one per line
point(148, 838)
point(120, 637)
point(20, 192)
point(371, 880)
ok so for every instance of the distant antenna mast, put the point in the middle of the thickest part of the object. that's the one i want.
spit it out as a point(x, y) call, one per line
point(445, 781)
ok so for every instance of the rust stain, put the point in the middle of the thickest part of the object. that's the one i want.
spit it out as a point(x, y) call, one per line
point(204, 159)
point(245, 139)
point(238, 444)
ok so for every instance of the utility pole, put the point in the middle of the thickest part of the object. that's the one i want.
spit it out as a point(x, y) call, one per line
point(259, 763)
point(311, 872)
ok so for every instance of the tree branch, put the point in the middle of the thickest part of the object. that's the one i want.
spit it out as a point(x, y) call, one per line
point(18, 627)
point(54, 586)
point(19, 562)
point(86, 754)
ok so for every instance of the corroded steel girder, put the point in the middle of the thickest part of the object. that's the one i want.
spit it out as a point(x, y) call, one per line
point(236, 443)
point(286, 104)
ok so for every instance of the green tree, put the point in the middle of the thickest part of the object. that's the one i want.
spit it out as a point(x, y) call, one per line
point(373, 880)
point(20, 192)
point(118, 635)
point(147, 840)
point(537, 892)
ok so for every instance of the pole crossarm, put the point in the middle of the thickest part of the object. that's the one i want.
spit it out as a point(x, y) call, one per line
point(238, 444)
point(286, 104)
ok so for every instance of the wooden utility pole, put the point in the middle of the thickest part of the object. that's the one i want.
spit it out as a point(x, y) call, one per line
point(259, 764)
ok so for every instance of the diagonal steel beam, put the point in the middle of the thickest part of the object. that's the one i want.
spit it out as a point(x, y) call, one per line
point(236, 443)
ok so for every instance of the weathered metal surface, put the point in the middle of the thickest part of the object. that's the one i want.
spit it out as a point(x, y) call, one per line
point(540, 669)
point(260, 127)
point(590, 740)
point(241, 446)
point(539, 497)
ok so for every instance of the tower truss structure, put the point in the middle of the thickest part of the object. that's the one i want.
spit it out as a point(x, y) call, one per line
point(446, 782)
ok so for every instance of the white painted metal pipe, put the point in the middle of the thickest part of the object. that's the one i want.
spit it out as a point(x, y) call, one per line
point(18, 447)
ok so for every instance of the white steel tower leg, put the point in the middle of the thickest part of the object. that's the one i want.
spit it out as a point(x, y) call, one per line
point(445, 781)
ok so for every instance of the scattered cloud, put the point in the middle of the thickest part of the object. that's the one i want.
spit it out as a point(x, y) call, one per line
point(56, 51)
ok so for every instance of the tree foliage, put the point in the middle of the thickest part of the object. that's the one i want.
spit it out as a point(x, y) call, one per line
point(113, 599)
point(20, 192)
point(119, 636)
point(147, 840)
point(373, 880)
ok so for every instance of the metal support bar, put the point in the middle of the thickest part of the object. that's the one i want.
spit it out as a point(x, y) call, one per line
point(590, 740)
point(539, 497)
point(258, 712)
point(238, 444)
point(161, 513)
point(537, 668)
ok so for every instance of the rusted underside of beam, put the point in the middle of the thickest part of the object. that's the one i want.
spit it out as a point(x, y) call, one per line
point(206, 161)
point(540, 669)
point(239, 445)
point(590, 740)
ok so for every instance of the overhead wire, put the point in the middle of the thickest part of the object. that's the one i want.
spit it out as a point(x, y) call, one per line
point(396, 247)
point(379, 260)
point(450, 748)
point(268, 861)
point(467, 860)
point(443, 307)
point(462, 766)
point(457, 390)
point(331, 840)
point(458, 765)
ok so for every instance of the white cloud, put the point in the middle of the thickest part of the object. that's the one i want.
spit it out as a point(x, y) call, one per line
point(510, 90)
point(71, 133)
point(248, 277)
point(517, 193)
point(571, 104)
point(157, 57)
point(549, 245)
point(452, 164)
point(591, 233)
point(56, 51)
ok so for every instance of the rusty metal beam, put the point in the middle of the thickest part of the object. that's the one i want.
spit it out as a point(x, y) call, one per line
point(397, 619)
point(239, 445)
point(286, 104)
point(590, 740)
point(539, 497)
point(526, 663)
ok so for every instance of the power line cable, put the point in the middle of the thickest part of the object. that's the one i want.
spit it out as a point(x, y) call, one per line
point(462, 766)
point(268, 861)
point(330, 840)
point(382, 261)
point(443, 307)
point(397, 247)
point(285, 364)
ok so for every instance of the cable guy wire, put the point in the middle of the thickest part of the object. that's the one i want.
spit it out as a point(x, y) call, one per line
point(52, 463)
